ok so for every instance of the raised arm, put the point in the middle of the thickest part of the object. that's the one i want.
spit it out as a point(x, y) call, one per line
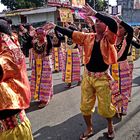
point(110, 22)
point(49, 46)
point(59, 36)
point(135, 44)
point(64, 31)
point(129, 31)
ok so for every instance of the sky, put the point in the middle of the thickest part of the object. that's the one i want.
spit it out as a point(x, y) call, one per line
point(112, 2)
point(2, 7)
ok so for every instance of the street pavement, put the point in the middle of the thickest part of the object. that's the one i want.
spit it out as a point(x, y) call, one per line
point(62, 120)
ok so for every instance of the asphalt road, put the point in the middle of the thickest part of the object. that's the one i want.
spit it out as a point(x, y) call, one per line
point(61, 119)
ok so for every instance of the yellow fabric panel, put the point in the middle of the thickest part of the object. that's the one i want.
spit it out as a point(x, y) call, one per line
point(56, 59)
point(134, 53)
point(20, 132)
point(68, 66)
point(38, 76)
point(114, 75)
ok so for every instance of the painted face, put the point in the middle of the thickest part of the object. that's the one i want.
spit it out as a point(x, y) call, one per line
point(100, 27)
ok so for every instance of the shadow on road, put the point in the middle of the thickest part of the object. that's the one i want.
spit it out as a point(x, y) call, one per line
point(127, 118)
point(57, 89)
point(136, 81)
point(62, 87)
point(104, 137)
point(122, 123)
point(71, 128)
point(33, 107)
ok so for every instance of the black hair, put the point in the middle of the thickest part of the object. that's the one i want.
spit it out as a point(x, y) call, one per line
point(4, 27)
point(9, 21)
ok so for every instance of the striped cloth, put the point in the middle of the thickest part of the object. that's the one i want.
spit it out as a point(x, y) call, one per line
point(41, 79)
point(71, 66)
point(131, 66)
point(57, 58)
point(120, 72)
point(30, 57)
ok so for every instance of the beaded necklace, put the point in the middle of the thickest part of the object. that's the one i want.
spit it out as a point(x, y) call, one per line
point(39, 49)
point(119, 46)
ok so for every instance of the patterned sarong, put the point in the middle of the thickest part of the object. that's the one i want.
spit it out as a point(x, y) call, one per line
point(71, 66)
point(41, 79)
point(120, 72)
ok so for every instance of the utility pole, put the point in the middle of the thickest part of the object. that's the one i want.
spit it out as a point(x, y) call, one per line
point(94, 4)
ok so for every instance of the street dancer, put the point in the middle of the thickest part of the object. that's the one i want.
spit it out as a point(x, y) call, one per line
point(121, 71)
point(41, 77)
point(100, 52)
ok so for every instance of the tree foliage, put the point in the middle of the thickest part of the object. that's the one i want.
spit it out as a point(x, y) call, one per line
point(21, 4)
point(98, 5)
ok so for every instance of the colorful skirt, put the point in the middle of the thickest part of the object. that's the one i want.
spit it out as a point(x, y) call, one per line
point(57, 59)
point(30, 57)
point(41, 79)
point(120, 72)
point(71, 66)
point(131, 66)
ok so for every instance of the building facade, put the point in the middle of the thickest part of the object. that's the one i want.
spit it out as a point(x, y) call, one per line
point(130, 13)
point(32, 16)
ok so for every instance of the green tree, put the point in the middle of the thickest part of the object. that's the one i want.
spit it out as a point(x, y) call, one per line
point(98, 5)
point(21, 4)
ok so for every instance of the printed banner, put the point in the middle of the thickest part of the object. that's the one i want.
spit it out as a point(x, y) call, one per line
point(65, 15)
point(136, 4)
point(78, 3)
point(58, 3)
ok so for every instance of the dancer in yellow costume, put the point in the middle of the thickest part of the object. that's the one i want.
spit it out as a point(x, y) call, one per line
point(100, 52)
